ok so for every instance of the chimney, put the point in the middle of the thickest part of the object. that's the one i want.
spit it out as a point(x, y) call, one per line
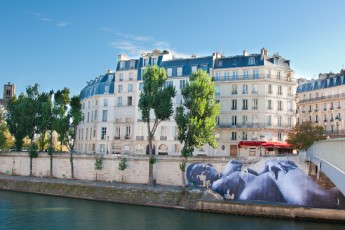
point(122, 57)
point(245, 53)
point(263, 52)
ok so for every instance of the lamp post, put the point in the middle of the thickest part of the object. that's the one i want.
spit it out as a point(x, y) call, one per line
point(107, 143)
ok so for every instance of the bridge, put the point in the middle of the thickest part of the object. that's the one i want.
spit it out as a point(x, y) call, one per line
point(329, 156)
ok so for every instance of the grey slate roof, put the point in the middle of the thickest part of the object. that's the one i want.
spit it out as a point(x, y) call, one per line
point(103, 84)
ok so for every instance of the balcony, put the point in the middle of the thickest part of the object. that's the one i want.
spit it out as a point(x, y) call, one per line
point(244, 92)
point(332, 108)
point(127, 137)
point(244, 108)
point(309, 111)
point(117, 138)
point(233, 108)
point(270, 92)
point(254, 92)
point(339, 107)
point(325, 120)
point(163, 138)
point(316, 110)
point(317, 122)
point(324, 109)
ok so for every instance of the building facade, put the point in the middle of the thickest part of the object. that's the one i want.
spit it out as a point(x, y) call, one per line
point(322, 102)
point(255, 91)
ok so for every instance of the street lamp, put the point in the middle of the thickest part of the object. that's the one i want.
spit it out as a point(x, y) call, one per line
point(107, 143)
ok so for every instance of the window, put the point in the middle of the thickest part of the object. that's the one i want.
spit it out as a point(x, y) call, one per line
point(102, 148)
point(91, 116)
point(146, 62)
point(269, 104)
point(105, 102)
point(122, 64)
point(280, 123)
point(234, 89)
point(290, 121)
point(244, 104)
point(177, 148)
point(179, 71)
point(163, 131)
point(233, 136)
point(105, 115)
point(88, 117)
point(270, 89)
point(251, 61)
point(130, 88)
point(245, 89)
point(154, 61)
point(255, 103)
point(88, 104)
point(278, 75)
point(121, 77)
point(129, 101)
point(182, 84)
point(255, 73)
point(94, 133)
point(255, 89)
point(128, 131)
point(131, 64)
point(167, 83)
point(117, 132)
point(204, 67)
point(194, 68)
point(244, 120)
point(141, 86)
point(280, 91)
point(120, 88)
point(217, 76)
point(269, 120)
point(130, 76)
point(255, 119)
point(245, 74)
point(244, 136)
point(234, 75)
point(87, 133)
point(103, 133)
point(96, 115)
point(280, 137)
point(119, 101)
point(169, 72)
point(226, 76)
point(96, 102)
point(234, 104)
point(280, 105)
point(234, 120)
point(220, 63)
point(217, 90)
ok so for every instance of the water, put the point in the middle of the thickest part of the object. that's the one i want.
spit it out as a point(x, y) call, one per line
point(30, 211)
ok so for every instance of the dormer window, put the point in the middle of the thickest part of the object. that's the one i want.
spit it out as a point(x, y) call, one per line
point(194, 68)
point(146, 62)
point(131, 64)
point(122, 64)
point(276, 62)
point(169, 72)
point(220, 63)
point(251, 61)
point(154, 61)
point(179, 71)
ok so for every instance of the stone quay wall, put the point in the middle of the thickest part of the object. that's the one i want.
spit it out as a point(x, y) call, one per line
point(166, 170)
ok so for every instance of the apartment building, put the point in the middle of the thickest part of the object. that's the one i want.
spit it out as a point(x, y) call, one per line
point(322, 102)
point(256, 93)
point(257, 97)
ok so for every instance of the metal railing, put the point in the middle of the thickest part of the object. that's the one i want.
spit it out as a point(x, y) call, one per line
point(252, 77)
point(330, 97)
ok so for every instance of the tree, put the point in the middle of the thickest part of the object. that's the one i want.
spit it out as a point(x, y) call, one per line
point(44, 117)
point(304, 135)
point(154, 97)
point(75, 116)
point(61, 121)
point(123, 165)
point(32, 154)
point(30, 105)
point(98, 164)
point(15, 122)
point(196, 116)
point(5, 142)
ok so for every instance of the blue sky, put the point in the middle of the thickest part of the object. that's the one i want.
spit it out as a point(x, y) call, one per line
point(68, 42)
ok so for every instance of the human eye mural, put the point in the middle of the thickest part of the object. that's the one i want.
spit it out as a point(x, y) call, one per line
point(280, 181)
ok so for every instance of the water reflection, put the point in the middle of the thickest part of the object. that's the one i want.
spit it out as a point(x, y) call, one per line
point(29, 211)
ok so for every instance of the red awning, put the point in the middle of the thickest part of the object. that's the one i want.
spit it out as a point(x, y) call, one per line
point(266, 144)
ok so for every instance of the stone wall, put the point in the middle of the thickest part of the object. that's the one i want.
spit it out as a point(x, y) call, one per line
point(166, 169)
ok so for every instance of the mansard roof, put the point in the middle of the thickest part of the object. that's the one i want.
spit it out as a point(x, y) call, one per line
point(338, 79)
point(104, 84)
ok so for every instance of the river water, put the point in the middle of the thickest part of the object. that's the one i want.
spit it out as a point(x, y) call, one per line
point(30, 211)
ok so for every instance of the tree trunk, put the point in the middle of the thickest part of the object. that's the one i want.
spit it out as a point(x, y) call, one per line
point(72, 167)
point(51, 153)
point(150, 165)
point(30, 166)
point(61, 146)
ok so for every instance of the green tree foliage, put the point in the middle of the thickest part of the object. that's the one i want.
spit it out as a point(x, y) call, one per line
point(98, 163)
point(196, 116)
point(157, 99)
point(44, 116)
point(75, 116)
point(5, 142)
point(15, 122)
point(30, 104)
point(304, 135)
point(61, 118)
point(123, 166)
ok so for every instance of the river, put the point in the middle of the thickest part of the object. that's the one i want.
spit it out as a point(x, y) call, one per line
point(31, 211)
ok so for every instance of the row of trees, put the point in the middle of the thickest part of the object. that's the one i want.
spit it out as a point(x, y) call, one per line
point(38, 113)
point(195, 117)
